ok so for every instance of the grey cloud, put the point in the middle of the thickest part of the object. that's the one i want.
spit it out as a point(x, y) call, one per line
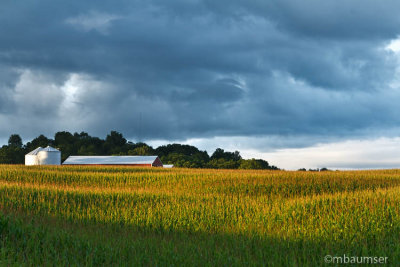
point(185, 69)
point(338, 20)
point(8, 80)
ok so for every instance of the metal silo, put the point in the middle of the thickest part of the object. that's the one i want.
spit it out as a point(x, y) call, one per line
point(49, 156)
point(32, 157)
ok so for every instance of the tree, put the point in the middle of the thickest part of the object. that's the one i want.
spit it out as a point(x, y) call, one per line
point(115, 138)
point(11, 155)
point(178, 148)
point(143, 150)
point(221, 154)
point(66, 143)
point(115, 143)
point(82, 135)
point(63, 138)
point(5, 157)
point(182, 155)
point(41, 140)
point(15, 141)
point(181, 160)
point(222, 163)
point(256, 164)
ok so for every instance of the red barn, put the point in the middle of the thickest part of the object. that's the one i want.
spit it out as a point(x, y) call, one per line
point(145, 161)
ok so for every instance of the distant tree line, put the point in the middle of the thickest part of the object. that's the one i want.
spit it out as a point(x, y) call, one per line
point(314, 170)
point(115, 144)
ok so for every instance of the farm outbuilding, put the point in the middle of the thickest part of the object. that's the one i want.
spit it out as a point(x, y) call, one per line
point(43, 156)
point(168, 166)
point(145, 161)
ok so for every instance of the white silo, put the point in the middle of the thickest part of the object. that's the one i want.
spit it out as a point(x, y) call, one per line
point(49, 156)
point(32, 157)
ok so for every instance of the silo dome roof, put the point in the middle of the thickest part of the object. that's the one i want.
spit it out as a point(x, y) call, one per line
point(50, 149)
point(36, 151)
point(46, 149)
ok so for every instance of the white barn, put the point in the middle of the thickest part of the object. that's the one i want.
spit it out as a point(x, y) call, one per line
point(43, 156)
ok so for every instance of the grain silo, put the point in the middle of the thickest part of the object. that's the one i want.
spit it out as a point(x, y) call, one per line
point(49, 156)
point(43, 156)
point(32, 157)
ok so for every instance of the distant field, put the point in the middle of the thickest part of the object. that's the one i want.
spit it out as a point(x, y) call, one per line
point(95, 216)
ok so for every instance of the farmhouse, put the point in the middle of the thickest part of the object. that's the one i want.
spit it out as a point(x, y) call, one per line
point(43, 156)
point(148, 161)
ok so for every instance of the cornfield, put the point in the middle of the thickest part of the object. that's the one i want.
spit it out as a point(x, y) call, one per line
point(123, 216)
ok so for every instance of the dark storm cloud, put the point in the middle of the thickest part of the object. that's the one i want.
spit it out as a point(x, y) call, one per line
point(361, 19)
point(8, 79)
point(185, 69)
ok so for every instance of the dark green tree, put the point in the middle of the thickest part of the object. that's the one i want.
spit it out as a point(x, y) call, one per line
point(143, 150)
point(11, 155)
point(222, 163)
point(63, 138)
point(255, 164)
point(15, 141)
point(41, 140)
point(115, 143)
point(221, 154)
point(115, 138)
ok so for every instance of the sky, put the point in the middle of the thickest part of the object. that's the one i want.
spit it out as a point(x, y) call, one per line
point(299, 83)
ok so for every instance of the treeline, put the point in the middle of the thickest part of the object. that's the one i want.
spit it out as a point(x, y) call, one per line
point(115, 144)
point(315, 170)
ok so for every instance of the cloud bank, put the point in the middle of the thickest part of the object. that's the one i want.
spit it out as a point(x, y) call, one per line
point(301, 72)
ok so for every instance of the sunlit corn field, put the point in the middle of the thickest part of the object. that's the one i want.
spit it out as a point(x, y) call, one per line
point(123, 216)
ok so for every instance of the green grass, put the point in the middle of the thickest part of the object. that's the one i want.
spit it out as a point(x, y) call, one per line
point(91, 216)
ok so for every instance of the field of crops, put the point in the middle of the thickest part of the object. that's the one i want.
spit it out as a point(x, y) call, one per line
point(74, 216)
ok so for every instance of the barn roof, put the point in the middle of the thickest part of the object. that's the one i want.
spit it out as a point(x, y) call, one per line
point(109, 160)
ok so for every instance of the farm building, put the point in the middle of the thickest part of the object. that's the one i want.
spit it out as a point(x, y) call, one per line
point(168, 166)
point(43, 156)
point(148, 161)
